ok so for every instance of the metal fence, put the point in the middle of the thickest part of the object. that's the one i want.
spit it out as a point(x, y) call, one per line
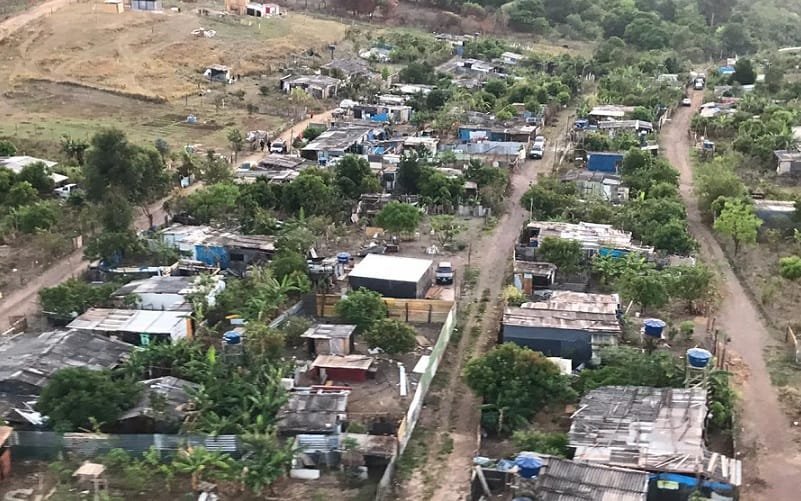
point(49, 444)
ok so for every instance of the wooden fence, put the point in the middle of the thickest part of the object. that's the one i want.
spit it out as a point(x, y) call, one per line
point(426, 311)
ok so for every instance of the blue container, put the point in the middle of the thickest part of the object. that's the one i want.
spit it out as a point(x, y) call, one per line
point(654, 327)
point(529, 464)
point(343, 258)
point(698, 357)
point(232, 337)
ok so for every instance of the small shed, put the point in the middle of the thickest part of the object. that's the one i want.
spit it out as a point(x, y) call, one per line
point(393, 276)
point(532, 275)
point(604, 161)
point(149, 5)
point(329, 339)
point(218, 73)
point(112, 7)
point(788, 162)
point(317, 411)
point(354, 368)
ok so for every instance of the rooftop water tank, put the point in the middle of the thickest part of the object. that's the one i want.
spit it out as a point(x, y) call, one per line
point(529, 464)
point(232, 337)
point(698, 357)
point(343, 257)
point(653, 328)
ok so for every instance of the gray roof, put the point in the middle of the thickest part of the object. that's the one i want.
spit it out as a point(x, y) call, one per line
point(311, 80)
point(349, 67)
point(110, 320)
point(534, 267)
point(329, 331)
point(338, 138)
point(310, 412)
point(568, 310)
point(788, 156)
point(589, 175)
point(176, 393)
point(659, 429)
point(158, 285)
point(208, 236)
point(29, 360)
point(280, 161)
point(565, 480)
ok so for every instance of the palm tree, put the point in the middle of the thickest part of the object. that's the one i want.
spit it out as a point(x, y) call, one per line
point(199, 463)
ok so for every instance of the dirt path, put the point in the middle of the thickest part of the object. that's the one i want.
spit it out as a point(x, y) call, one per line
point(772, 464)
point(288, 135)
point(457, 416)
point(12, 24)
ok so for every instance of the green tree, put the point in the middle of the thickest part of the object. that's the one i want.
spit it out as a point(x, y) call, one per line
point(36, 174)
point(265, 340)
point(555, 444)
point(565, 254)
point(296, 237)
point(398, 217)
point(362, 308)
point(410, 172)
point(75, 149)
point(201, 464)
point(21, 194)
point(309, 192)
point(312, 132)
point(7, 148)
point(691, 283)
point(744, 72)
point(774, 77)
point(214, 202)
point(549, 198)
point(216, 170)
point(288, 262)
point(163, 147)
point(109, 246)
point(353, 176)
point(236, 140)
point(738, 221)
point(392, 336)
point(418, 73)
point(717, 179)
point(631, 366)
point(647, 288)
point(265, 460)
point(76, 397)
point(515, 383)
point(40, 216)
point(446, 228)
point(790, 267)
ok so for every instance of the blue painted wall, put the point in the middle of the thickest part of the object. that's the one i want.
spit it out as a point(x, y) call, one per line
point(604, 162)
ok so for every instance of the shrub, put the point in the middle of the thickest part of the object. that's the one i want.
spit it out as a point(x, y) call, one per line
point(790, 267)
point(362, 308)
point(392, 336)
point(555, 444)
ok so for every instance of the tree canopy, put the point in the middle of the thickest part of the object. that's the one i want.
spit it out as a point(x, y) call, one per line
point(362, 308)
point(398, 217)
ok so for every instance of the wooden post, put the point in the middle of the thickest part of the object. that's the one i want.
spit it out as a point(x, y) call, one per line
point(430, 307)
point(407, 310)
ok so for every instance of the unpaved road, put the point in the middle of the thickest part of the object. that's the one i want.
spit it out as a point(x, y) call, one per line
point(446, 474)
point(14, 23)
point(772, 464)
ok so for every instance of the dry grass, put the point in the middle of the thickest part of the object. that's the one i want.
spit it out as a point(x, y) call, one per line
point(154, 54)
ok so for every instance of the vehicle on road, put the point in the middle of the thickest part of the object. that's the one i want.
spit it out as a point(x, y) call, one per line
point(278, 146)
point(444, 273)
point(537, 151)
point(698, 84)
point(66, 190)
point(686, 101)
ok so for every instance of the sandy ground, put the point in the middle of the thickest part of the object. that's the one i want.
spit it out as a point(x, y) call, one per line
point(772, 464)
point(151, 54)
point(457, 415)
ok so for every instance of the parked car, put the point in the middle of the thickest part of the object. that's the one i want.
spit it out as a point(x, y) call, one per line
point(66, 190)
point(444, 273)
point(540, 140)
point(278, 146)
point(686, 102)
point(537, 151)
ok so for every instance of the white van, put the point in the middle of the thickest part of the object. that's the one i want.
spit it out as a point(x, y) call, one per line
point(66, 190)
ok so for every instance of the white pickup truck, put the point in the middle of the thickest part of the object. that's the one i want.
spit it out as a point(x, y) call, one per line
point(444, 273)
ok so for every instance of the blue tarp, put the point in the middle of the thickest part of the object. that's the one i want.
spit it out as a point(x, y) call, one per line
point(604, 161)
point(726, 70)
point(689, 481)
point(212, 256)
point(381, 117)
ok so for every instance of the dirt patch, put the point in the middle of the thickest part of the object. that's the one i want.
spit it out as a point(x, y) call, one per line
point(151, 54)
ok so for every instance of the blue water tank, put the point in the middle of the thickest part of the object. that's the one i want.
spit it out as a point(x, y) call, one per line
point(698, 357)
point(529, 464)
point(232, 337)
point(343, 257)
point(653, 327)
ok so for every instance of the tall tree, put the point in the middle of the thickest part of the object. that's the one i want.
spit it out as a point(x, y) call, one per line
point(738, 221)
point(37, 174)
point(362, 308)
point(75, 149)
point(353, 176)
point(399, 217)
point(236, 140)
point(565, 254)
point(648, 288)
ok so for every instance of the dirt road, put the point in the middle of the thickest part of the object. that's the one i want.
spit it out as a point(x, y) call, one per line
point(457, 416)
point(772, 464)
point(288, 135)
point(12, 24)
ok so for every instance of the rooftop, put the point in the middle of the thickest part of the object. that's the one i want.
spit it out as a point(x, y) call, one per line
point(338, 138)
point(349, 67)
point(158, 285)
point(19, 162)
point(611, 111)
point(31, 359)
point(356, 362)
point(208, 236)
point(592, 236)
point(589, 175)
point(557, 318)
point(625, 124)
point(311, 80)
point(311, 412)
point(329, 331)
point(534, 267)
point(659, 429)
point(273, 161)
point(787, 156)
point(395, 268)
point(176, 394)
point(134, 321)
point(566, 480)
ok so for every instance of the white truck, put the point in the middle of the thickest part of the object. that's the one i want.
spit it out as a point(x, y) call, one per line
point(278, 146)
point(66, 190)
point(538, 148)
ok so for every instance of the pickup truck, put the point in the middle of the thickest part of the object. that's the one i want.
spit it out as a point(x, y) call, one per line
point(66, 190)
point(278, 146)
point(537, 150)
point(444, 273)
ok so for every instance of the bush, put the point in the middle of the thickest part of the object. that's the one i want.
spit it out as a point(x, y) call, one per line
point(293, 328)
point(392, 336)
point(790, 267)
point(555, 444)
point(362, 308)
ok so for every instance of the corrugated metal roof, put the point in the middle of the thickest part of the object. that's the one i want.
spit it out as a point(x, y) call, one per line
point(565, 480)
point(360, 362)
point(135, 321)
point(395, 268)
point(329, 331)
